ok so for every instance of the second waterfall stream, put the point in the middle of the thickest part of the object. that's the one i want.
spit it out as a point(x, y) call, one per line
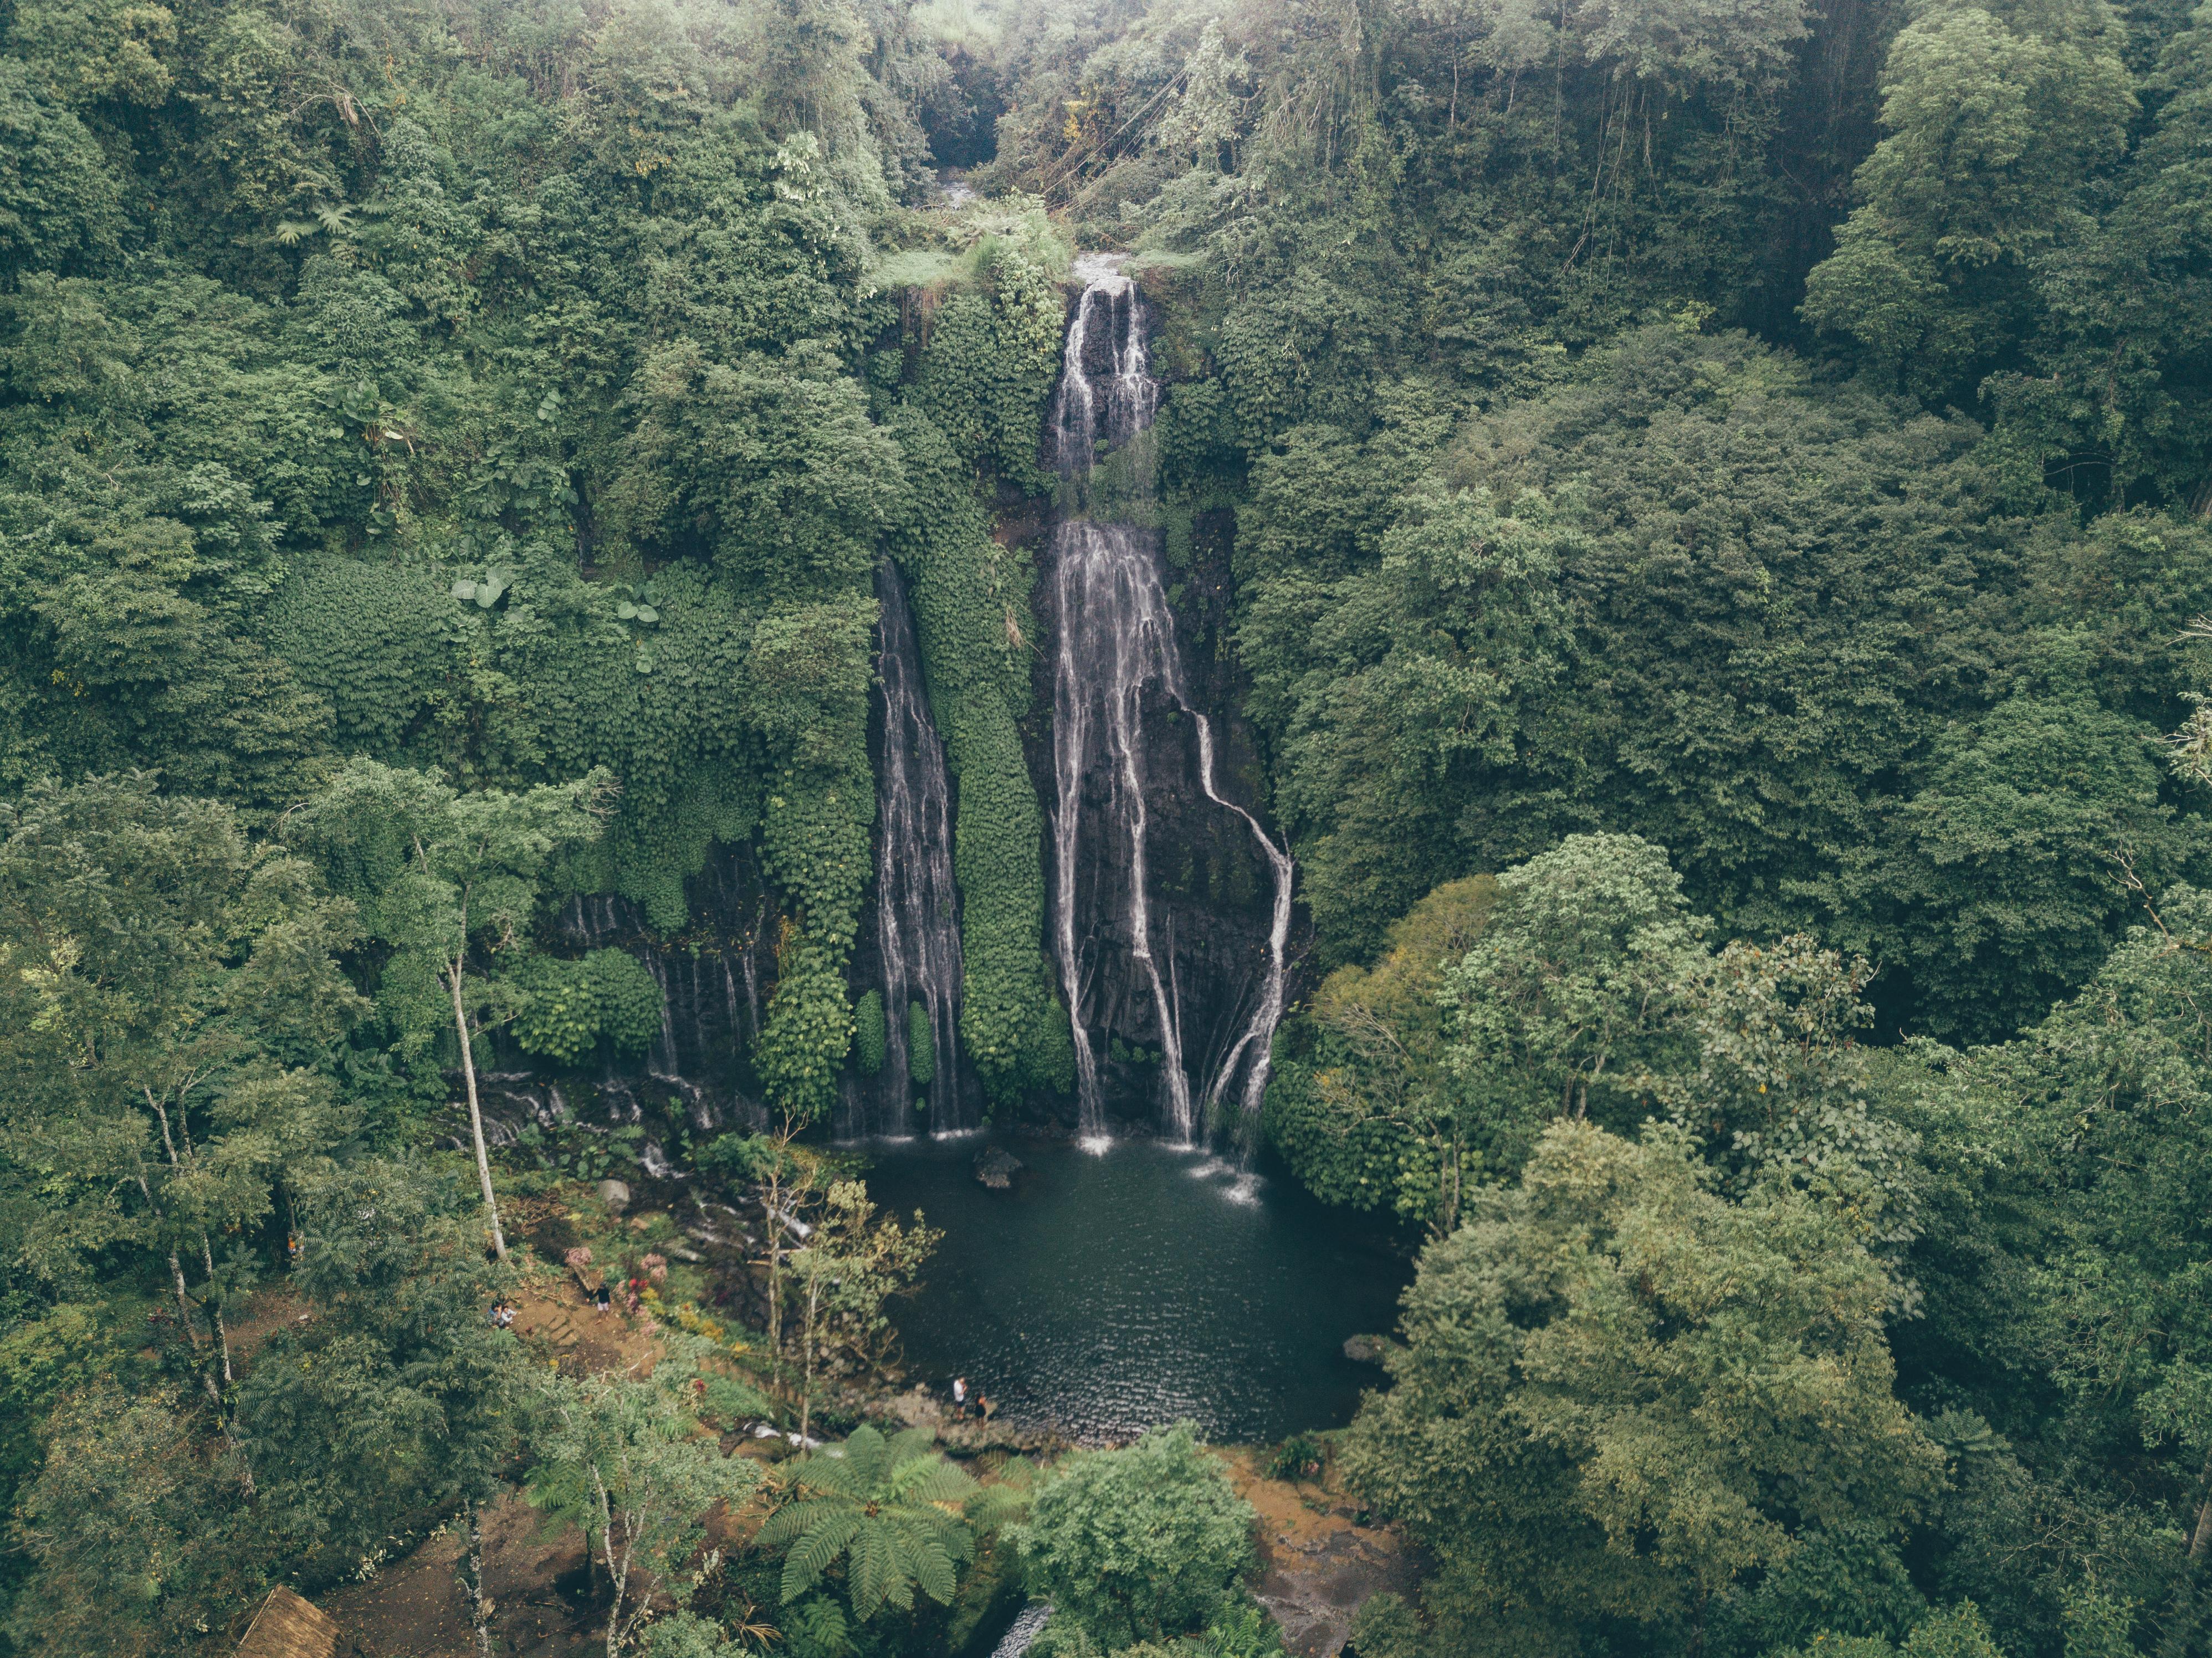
point(1117, 658)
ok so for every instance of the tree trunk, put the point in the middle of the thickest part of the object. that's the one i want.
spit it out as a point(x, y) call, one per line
point(185, 1310)
point(1451, 1213)
point(176, 1266)
point(475, 1111)
point(617, 1571)
point(214, 1308)
point(776, 1275)
point(806, 1385)
point(184, 1298)
point(479, 1608)
point(2202, 1536)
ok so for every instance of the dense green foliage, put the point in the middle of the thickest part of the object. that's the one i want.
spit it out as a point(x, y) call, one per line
point(499, 400)
point(607, 997)
point(1959, 1289)
point(1700, 510)
point(972, 614)
point(1134, 1543)
point(1849, 690)
point(889, 1508)
point(870, 1034)
point(1651, 1392)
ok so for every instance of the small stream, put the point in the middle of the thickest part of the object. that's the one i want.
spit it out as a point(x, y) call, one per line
point(1110, 1292)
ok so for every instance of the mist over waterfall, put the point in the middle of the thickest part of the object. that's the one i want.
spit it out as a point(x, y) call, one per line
point(916, 936)
point(1131, 847)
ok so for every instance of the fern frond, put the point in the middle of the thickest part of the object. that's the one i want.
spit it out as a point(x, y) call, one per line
point(792, 1519)
point(993, 1506)
point(934, 1569)
point(813, 1554)
point(874, 1568)
point(941, 1482)
point(910, 1444)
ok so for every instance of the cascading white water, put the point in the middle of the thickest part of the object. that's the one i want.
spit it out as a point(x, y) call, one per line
point(1117, 638)
point(917, 903)
point(1024, 1630)
point(1116, 634)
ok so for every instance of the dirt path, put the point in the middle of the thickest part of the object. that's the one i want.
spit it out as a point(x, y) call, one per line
point(1319, 1563)
point(416, 1607)
point(554, 1317)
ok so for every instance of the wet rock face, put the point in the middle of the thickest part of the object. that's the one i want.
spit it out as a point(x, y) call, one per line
point(1209, 895)
point(1100, 348)
point(910, 946)
point(1171, 902)
point(715, 980)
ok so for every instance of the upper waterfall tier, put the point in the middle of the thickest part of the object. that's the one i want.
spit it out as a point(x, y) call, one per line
point(1107, 396)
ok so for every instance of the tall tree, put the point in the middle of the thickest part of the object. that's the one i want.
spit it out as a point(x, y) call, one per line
point(397, 1399)
point(173, 1000)
point(1999, 117)
point(444, 876)
point(1620, 1394)
point(1572, 995)
point(623, 1462)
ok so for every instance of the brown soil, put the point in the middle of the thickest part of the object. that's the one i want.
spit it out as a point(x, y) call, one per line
point(266, 1311)
point(1319, 1564)
point(417, 1608)
point(555, 1318)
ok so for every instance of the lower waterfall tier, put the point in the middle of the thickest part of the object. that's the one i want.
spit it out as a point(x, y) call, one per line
point(1171, 905)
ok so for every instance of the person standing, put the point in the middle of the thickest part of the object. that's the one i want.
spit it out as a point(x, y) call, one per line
point(959, 1395)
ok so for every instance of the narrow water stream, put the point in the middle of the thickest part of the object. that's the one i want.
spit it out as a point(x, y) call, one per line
point(1108, 1293)
point(917, 905)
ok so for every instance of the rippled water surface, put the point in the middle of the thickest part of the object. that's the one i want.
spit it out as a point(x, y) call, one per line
point(1112, 1290)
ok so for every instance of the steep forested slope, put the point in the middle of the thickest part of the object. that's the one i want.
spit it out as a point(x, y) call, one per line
point(1697, 509)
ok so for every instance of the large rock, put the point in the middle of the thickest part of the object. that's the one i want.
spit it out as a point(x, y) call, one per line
point(997, 1167)
point(615, 1194)
point(1363, 1350)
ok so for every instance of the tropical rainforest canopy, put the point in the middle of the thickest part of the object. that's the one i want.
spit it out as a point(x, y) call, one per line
point(1705, 509)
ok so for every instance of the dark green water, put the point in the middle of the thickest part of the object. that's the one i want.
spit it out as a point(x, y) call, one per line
point(1110, 1291)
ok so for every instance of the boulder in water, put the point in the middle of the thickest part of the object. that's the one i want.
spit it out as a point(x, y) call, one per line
point(1363, 1350)
point(997, 1167)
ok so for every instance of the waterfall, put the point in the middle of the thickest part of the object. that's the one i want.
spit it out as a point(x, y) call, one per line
point(917, 905)
point(1019, 1638)
point(1117, 645)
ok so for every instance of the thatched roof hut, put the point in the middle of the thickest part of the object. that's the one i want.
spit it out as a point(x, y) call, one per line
point(289, 1627)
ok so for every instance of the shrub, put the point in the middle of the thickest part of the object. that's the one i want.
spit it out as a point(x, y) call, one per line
point(870, 1040)
point(608, 995)
point(1301, 1456)
point(1136, 1544)
point(1385, 1627)
point(921, 1045)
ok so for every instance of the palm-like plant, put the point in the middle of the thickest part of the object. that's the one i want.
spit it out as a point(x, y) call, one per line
point(891, 1508)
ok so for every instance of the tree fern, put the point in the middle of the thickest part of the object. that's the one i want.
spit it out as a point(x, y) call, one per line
point(893, 1509)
